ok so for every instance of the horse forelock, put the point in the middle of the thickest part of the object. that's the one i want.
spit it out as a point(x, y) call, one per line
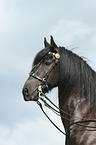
point(40, 55)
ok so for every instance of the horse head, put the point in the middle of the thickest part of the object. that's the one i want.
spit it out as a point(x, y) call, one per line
point(44, 73)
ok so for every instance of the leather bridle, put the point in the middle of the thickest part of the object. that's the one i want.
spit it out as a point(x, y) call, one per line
point(46, 76)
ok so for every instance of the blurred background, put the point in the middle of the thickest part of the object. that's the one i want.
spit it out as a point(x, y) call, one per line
point(23, 26)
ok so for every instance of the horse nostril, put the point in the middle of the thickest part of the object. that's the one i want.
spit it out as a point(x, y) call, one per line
point(26, 91)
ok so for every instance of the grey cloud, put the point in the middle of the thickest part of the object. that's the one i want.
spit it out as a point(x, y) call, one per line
point(23, 25)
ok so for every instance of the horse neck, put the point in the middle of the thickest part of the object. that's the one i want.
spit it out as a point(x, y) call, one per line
point(78, 110)
point(75, 91)
point(74, 107)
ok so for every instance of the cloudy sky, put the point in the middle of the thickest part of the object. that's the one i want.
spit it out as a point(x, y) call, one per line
point(23, 25)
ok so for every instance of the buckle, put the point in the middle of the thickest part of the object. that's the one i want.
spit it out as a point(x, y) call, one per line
point(57, 55)
point(40, 88)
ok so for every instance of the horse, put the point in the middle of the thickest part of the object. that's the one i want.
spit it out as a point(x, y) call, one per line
point(59, 67)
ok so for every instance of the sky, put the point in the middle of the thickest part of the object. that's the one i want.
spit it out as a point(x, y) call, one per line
point(23, 26)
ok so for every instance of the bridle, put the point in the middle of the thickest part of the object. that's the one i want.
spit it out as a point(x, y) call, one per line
point(44, 82)
point(56, 110)
point(46, 76)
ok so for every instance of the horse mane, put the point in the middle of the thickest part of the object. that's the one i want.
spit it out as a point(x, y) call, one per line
point(73, 70)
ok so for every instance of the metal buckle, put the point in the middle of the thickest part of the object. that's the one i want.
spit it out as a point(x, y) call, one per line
point(39, 92)
point(57, 56)
point(40, 88)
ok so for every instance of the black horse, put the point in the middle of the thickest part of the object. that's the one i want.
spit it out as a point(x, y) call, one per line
point(58, 67)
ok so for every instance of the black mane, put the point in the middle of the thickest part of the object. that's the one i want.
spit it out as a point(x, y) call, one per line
point(73, 70)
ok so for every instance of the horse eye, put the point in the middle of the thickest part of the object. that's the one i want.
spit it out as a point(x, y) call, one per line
point(50, 57)
point(47, 63)
point(49, 60)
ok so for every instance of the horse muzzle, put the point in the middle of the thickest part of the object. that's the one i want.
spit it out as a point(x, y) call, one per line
point(28, 96)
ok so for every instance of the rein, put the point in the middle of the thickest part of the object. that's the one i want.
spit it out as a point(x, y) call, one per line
point(79, 123)
point(55, 110)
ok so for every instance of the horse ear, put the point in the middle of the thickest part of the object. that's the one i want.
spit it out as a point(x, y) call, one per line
point(52, 42)
point(46, 44)
point(54, 47)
